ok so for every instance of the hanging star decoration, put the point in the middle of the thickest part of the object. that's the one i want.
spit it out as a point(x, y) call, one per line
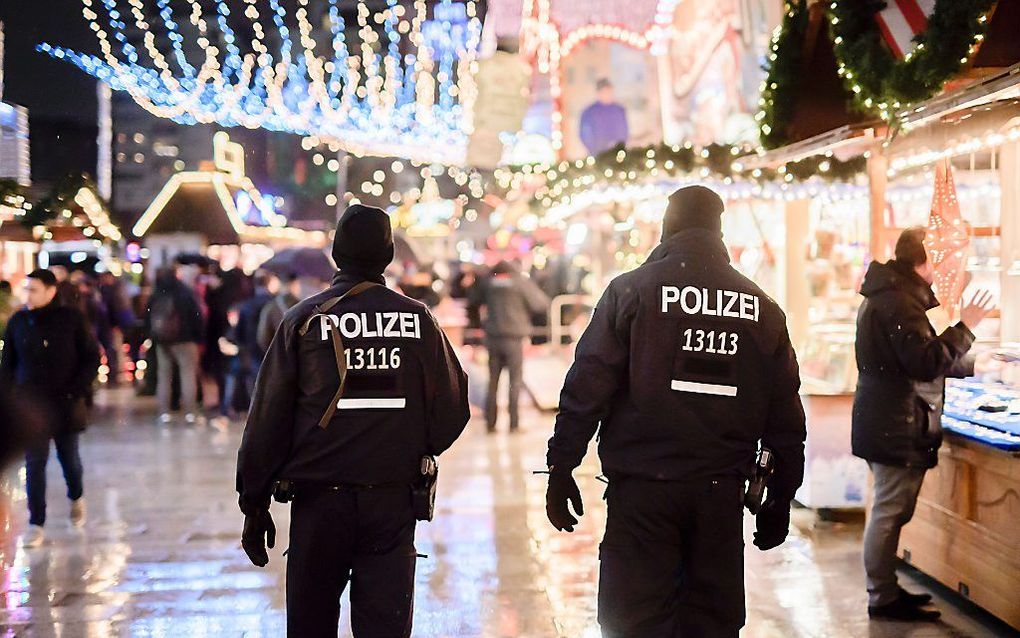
point(946, 240)
point(395, 80)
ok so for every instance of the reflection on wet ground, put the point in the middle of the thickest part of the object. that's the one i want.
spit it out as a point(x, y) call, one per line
point(160, 554)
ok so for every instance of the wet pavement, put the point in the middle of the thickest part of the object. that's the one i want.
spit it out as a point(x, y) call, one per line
point(160, 555)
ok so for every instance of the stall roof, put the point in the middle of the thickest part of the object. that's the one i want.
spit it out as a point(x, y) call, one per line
point(206, 202)
point(822, 121)
point(844, 142)
point(821, 105)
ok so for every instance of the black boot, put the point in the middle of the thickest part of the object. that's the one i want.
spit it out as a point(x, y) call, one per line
point(902, 609)
point(917, 600)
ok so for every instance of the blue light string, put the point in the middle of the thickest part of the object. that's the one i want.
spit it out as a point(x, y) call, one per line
point(446, 66)
point(299, 114)
point(173, 34)
point(340, 71)
point(232, 62)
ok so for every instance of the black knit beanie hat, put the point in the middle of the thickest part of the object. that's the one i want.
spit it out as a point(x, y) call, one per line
point(692, 207)
point(363, 243)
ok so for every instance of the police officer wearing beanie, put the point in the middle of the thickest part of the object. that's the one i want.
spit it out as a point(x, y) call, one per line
point(685, 368)
point(358, 385)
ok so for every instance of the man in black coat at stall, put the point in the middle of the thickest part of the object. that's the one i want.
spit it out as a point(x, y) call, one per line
point(897, 411)
point(50, 358)
point(685, 368)
point(352, 449)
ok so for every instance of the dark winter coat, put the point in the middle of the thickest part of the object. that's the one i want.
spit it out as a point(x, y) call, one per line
point(192, 324)
point(510, 300)
point(685, 367)
point(405, 395)
point(51, 357)
point(897, 417)
point(246, 330)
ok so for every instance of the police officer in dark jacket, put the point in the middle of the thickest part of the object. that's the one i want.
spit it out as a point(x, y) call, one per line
point(898, 405)
point(351, 462)
point(50, 359)
point(685, 367)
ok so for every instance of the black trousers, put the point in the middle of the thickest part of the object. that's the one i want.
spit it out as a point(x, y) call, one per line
point(672, 560)
point(364, 537)
point(508, 353)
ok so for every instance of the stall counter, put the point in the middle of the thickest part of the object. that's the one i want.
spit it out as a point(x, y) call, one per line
point(964, 531)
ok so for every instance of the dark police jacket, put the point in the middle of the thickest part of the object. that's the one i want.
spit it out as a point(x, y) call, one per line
point(897, 418)
point(51, 358)
point(405, 396)
point(686, 365)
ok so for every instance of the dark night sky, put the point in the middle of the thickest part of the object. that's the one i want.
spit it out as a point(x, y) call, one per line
point(51, 89)
point(61, 99)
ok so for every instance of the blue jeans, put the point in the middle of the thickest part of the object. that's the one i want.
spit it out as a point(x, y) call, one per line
point(35, 473)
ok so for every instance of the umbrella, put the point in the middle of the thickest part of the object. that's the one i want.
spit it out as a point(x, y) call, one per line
point(193, 259)
point(301, 262)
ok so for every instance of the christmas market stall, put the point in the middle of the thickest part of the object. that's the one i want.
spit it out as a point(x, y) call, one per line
point(218, 212)
point(965, 147)
point(18, 247)
point(942, 85)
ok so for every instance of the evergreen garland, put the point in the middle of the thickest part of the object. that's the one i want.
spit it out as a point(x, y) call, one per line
point(58, 199)
point(622, 166)
point(781, 73)
point(880, 82)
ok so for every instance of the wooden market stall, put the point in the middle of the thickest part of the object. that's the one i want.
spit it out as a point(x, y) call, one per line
point(964, 531)
point(965, 129)
point(219, 212)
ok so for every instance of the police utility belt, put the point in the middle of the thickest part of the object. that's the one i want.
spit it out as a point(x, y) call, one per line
point(423, 489)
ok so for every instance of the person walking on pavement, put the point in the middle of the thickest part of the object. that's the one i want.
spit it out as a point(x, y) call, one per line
point(272, 313)
point(897, 410)
point(176, 328)
point(510, 299)
point(8, 305)
point(50, 358)
point(246, 331)
point(685, 367)
point(359, 388)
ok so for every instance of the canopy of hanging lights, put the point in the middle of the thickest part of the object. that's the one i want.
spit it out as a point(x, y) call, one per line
point(395, 82)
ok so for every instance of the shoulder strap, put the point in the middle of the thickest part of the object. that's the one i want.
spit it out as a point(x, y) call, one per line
point(338, 346)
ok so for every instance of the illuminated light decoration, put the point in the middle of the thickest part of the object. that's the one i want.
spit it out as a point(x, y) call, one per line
point(946, 239)
point(229, 176)
point(97, 213)
point(394, 93)
point(963, 147)
point(558, 183)
point(548, 36)
point(730, 191)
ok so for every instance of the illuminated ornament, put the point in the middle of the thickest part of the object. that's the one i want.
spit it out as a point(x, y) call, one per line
point(404, 87)
point(946, 240)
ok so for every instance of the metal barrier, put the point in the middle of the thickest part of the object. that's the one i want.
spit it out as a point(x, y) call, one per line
point(556, 326)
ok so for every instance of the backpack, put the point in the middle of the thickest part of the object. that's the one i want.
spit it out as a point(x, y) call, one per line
point(165, 320)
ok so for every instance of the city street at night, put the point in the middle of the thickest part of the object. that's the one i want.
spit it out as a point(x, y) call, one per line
point(509, 319)
point(160, 553)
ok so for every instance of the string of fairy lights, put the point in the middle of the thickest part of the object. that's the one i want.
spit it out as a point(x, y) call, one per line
point(402, 87)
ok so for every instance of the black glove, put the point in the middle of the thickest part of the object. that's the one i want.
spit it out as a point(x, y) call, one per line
point(562, 490)
point(772, 524)
point(259, 532)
